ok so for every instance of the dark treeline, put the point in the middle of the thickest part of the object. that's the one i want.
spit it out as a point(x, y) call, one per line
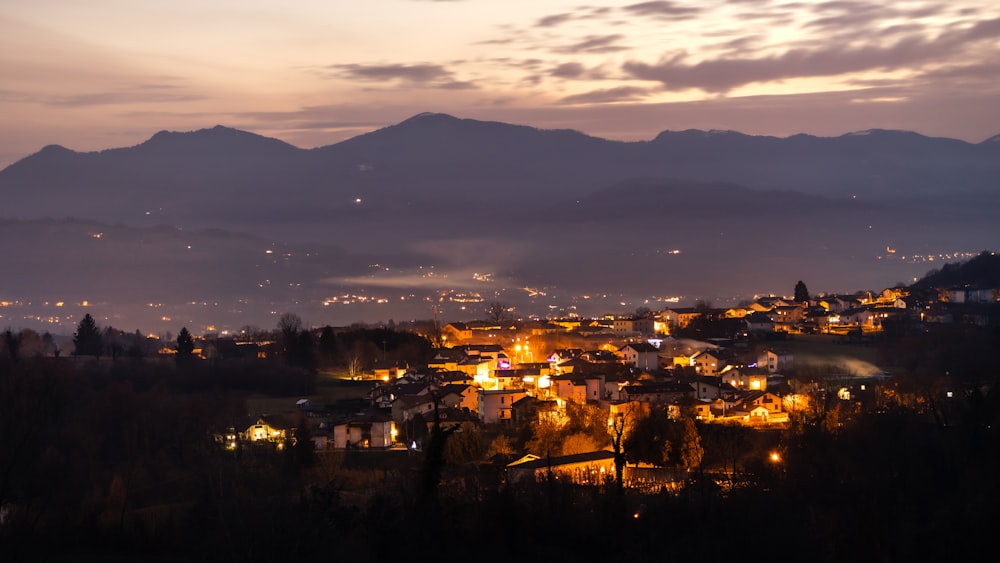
point(105, 459)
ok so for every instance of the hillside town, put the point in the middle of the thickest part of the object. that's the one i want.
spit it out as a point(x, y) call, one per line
point(856, 421)
point(732, 366)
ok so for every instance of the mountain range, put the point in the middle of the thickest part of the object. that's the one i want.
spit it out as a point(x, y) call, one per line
point(224, 227)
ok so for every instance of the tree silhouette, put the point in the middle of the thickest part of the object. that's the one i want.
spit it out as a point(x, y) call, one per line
point(619, 426)
point(649, 439)
point(289, 326)
point(12, 344)
point(498, 313)
point(801, 292)
point(87, 340)
point(185, 345)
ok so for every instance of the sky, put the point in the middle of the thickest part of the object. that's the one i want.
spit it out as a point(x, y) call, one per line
point(97, 74)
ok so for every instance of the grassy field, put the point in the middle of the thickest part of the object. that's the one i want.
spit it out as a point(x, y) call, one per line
point(340, 394)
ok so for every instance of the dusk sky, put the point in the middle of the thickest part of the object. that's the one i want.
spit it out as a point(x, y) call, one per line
point(98, 74)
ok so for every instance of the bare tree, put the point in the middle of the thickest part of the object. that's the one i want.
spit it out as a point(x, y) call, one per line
point(290, 325)
point(498, 313)
point(355, 362)
point(621, 424)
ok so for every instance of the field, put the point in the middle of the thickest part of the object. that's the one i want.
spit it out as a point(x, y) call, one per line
point(340, 394)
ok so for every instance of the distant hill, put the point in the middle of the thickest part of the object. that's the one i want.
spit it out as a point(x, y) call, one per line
point(438, 203)
point(983, 271)
point(231, 179)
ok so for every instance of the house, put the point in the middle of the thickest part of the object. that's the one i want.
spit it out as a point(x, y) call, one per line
point(468, 396)
point(627, 326)
point(762, 398)
point(736, 312)
point(479, 369)
point(702, 410)
point(707, 363)
point(456, 332)
point(754, 379)
point(496, 406)
point(708, 387)
point(446, 359)
point(787, 314)
point(268, 428)
point(450, 417)
point(406, 407)
point(562, 355)
point(760, 409)
point(666, 392)
point(366, 431)
point(590, 468)
point(530, 409)
point(507, 379)
point(642, 355)
point(580, 388)
point(601, 357)
point(578, 366)
point(568, 388)
point(541, 328)
point(388, 370)
point(775, 360)
point(757, 323)
point(680, 317)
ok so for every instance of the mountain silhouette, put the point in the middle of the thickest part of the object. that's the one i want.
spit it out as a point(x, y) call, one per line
point(697, 213)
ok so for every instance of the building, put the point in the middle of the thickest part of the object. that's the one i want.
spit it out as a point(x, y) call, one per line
point(497, 406)
point(641, 355)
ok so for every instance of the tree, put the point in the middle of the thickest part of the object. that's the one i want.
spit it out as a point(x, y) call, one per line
point(49, 345)
point(87, 340)
point(691, 452)
point(328, 350)
point(588, 419)
point(579, 443)
point(620, 424)
point(501, 446)
point(433, 464)
point(12, 344)
point(497, 313)
point(649, 439)
point(546, 438)
point(466, 445)
point(289, 325)
point(185, 345)
point(801, 292)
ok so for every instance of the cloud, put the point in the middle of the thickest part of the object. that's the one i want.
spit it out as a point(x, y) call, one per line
point(410, 73)
point(554, 20)
point(427, 75)
point(988, 72)
point(721, 75)
point(116, 98)
point(620, 94)
point(569, 70)
point(662, 9)
point(594, 44)
point(854, 18)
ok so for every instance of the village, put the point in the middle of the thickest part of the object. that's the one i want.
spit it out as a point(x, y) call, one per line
point(498, 376)
point(820, 409)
